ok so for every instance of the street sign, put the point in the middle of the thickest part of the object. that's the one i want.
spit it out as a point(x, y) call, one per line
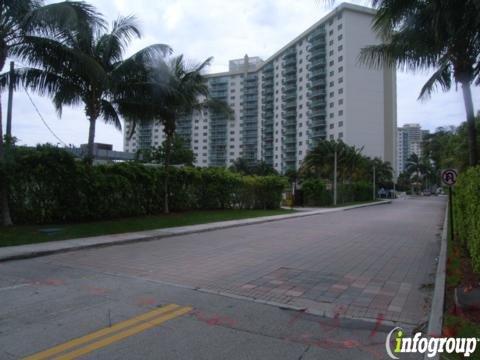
point(449, 177)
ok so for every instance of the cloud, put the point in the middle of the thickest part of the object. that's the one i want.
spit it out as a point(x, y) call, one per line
point(225, 30)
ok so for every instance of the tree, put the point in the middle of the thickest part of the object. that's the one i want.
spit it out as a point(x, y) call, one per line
point(86, 66)
point(415, 169)
point(173, 89)
point(425, 34)
point(26, 25)
point(180, 153)
point(245, 167)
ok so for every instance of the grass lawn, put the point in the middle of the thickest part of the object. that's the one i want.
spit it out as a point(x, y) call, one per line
point(28, 234)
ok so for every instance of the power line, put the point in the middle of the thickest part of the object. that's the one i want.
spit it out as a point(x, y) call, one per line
point(43, 120)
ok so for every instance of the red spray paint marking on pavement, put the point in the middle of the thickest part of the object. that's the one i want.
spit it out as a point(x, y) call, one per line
point(378, 323)
point(214, 320)
point(146, 301)
point(49, 282)
point(92, 290)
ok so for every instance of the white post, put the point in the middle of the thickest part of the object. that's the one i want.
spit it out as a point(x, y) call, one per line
point(335, 178)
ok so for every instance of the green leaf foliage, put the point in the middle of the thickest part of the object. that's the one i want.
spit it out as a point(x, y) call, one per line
point(467, 212)
point(52, 187)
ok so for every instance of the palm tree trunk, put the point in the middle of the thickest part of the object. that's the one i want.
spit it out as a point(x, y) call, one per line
point(6, 218)
point(91, 137)
point(472, 133)
point(167, 172)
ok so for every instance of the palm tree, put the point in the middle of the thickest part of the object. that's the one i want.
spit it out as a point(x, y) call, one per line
point(88, 68)
point(425, 34)
point(173, 90)
point(26, 25)
point(415, 169)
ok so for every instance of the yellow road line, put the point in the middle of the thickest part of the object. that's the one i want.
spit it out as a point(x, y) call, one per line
point(100, 333)
point(123, 334)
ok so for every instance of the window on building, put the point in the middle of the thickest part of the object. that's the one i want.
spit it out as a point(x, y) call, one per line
point(340, 123)
point(340, 69)
point(340, 135)
point(340, 58)
point(340, 91)
point(331, 53)
point(330, 42)
point(331, 104)
point(331, 115)
point(331, 73)
point(339, 27)
point(340, 112)
point(340, 102)
point(331, 136)
point(332, 83)
point(330, 32)
point(332, 94)
point(340, 80)
point(331, 126)
point(340, 37)
point(340, 48)
point(331, 63)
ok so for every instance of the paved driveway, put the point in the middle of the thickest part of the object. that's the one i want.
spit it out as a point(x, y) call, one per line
point(375, 262)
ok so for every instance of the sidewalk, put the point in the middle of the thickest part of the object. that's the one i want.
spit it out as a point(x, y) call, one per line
point(47, 248)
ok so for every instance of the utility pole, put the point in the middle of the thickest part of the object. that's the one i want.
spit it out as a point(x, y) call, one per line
point(335, 177)
point(374, 192)
point(10, 101)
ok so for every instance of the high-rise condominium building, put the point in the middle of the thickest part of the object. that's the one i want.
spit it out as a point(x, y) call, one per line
point(409, 141)
point(313, 88)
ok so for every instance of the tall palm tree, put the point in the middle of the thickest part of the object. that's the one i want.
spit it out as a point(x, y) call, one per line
point(414, 167)
point(88, 68)
point(425, 34)
point(173, 89)
point(26, 25)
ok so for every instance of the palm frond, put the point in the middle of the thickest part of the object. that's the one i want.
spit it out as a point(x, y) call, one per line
point(110, 115)
point(441, 77)
point(110, 47)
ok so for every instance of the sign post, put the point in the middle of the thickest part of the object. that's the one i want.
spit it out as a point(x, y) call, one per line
point(449, 178)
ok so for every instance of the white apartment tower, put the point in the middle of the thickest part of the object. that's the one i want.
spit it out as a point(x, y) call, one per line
point(409, 141)
point(313, 88)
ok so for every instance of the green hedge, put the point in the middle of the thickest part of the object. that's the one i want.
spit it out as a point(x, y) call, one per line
point(316, 194)
point(467, 212)
point(48, 185)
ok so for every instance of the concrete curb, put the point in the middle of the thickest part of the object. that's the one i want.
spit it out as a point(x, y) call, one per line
point(435, 321)
point(47, 248)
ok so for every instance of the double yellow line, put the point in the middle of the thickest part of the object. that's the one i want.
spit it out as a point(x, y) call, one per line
point(107, 336)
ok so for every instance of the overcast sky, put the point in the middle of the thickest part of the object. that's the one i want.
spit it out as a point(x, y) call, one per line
point(225, 30)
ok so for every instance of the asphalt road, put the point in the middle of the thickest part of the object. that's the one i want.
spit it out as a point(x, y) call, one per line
point(234, 290)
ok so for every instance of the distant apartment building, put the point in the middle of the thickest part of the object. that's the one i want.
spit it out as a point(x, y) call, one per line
point(409, 141)
point(313, 88)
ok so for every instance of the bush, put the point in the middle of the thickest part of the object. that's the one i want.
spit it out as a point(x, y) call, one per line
point(315, 193)
point(467, 212)
point(51, 186)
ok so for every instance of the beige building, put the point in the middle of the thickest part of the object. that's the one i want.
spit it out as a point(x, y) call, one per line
point(313, 88)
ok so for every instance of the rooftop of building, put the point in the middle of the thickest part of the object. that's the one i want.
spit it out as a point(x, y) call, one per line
point(257, 62)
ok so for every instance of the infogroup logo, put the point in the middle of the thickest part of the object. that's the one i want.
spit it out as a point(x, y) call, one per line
point(427, 345)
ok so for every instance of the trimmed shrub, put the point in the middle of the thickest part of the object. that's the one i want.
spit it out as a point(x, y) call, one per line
point(315, 193)
point(467, 212)
point(51, 186)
